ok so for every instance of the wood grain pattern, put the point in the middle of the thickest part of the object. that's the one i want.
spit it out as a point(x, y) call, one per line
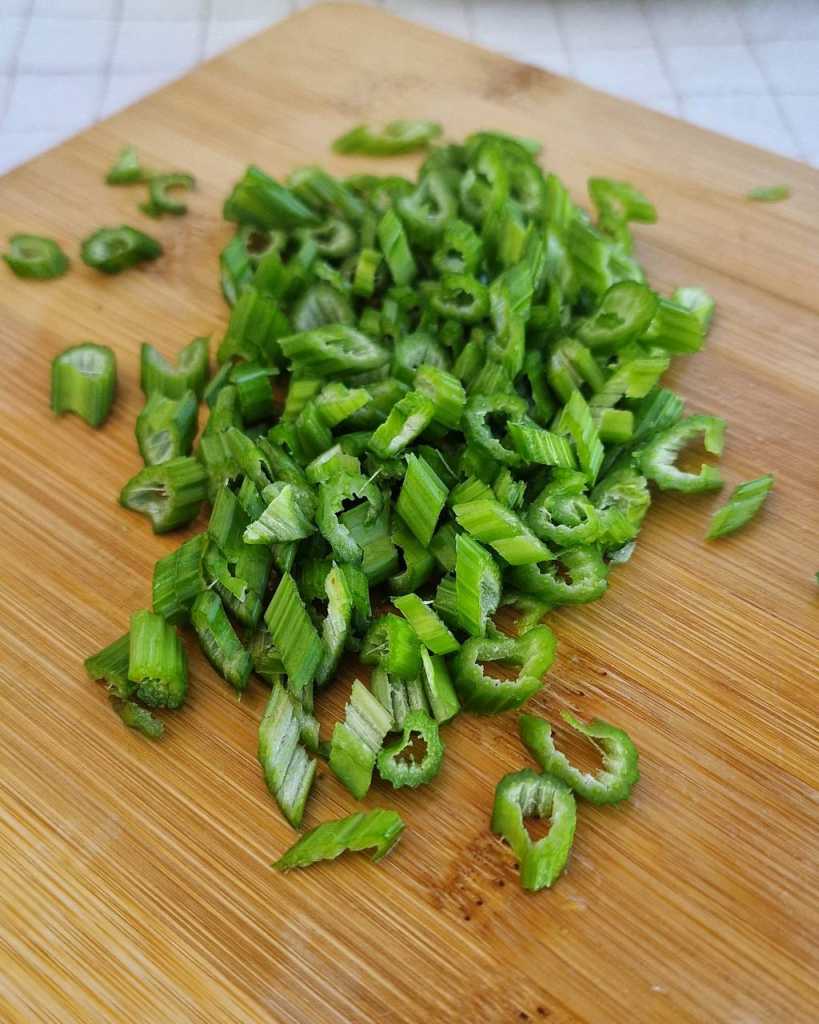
point(134, 878)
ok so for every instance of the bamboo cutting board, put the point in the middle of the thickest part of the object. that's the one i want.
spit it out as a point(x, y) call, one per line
point(134, 878)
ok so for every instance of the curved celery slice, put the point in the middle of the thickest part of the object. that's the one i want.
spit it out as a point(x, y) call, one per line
point(378, 830)
point(526, 794)
point(619, 773)
point(533, 653)
point(577, 575)
point(190, 372)
point(657, 458)
point(170, 494)
point(84, 381)
point(402, 772)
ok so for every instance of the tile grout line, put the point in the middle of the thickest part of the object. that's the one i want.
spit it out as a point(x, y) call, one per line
point(563, 36)
point(15, 62)
point(662, 57)
point(766, 78)
point(108, 65)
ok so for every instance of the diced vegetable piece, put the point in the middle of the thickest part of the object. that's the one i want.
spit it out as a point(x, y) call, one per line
point(84, 381)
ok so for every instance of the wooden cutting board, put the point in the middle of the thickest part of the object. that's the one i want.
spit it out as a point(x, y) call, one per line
point(135, 883)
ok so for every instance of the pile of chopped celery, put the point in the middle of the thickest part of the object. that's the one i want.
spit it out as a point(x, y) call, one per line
point(445, 394)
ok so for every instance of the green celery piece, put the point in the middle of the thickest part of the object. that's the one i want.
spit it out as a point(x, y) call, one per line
point(400, 772)
point(745, 501)
point(357, 740)
point(378, 830)
point(287, 769)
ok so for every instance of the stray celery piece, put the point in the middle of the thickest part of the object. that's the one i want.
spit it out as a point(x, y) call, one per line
point(357, 740)
point(34, 257)
point(156, 373)
point(170, 495)
point(288, 770)
point(393, 139)
point(126, 169)
point(744, 503)
point(769, 193)
point(140, 719)
point(84, 381)
point(157, 662)
point(111, 664)
point(112, 250)
point(166, 427)
point(160, 187)
point(378, 830)
point(219, 641)
point(657, 458)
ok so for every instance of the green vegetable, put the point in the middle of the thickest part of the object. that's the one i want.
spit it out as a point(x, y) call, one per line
point(745, 501)
point(159, 199)
point(35, 257)
point(392, 644)
point(769, 193)
point(532, 653)
point(429, 629)
point(619, 773)
point(357, 740)
point(126, 169)
point(157, 663)
point(84, 381)
point(170, 495)
point(156, 373)
point(178, 580)
point(111, 664)
point(524, 795)
point(658, 456)
point(377, 830)
point(166, 427)
point(112, 250)
point(288, 770)
point(393, 139)
point(139, 719)
point(477, 585)
point(219, 641)
point(295, 638)
point(407, 771)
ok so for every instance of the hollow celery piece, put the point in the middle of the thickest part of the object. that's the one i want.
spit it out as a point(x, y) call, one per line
point(526, 794)
point(170, 495)
point(400, 772)
point(576, 575)
point(620, 769)
point(357, 740)
point(295, 637)
point(112, 250)
point(178, 579)
point(166, 427)
point(428, 627)
point(219, 641)
point(419, 562)
point(37, 258)
point(563, 513)
point(84, 381)
point(156, 373)
point(657, 458)
point(477, 585)
point(745, 501)
point(111, 664)
point(160, 189)
point(532, 652)
point(378, 830)
point(157, 662)
point(288, 770)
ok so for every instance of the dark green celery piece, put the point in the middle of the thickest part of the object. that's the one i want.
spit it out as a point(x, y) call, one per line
point(400, 771)
point(319, 305)
point(419, 562)
point(156, 373)
point(84, 381)
point(392, 644)
point(477, 585)
point(623, 315)
point(285, 517)
point(331, 521)
point(295, 638)
point(178, 580)
point(576, 575)
point(357, 740)
point(219, 641)
point(396, 249)
point(239, 571)
point(254, 330)
point(260, 200)
point(532, 653)
point(657, 458)
point(322, 192)
point(445, 392)
point(414, 350)
point(481, 412)
point(157, 663)
point(254, 392)
point(563, 514)
point(427, 211)
point(36, 258)
point(139, 719)
point(126, 169)
point(111, 664)
point(112, 250)
point(266, 660)
point(331, 350)
point(524, 795)
point(170, 495)
point(215, 452)
point(620, 769)
point(576, 420)
point(745, 501)
point(461, 297)
point(376, 830)
point(166, 427)
point(160, 187)
point(393, 139)
point(288, 770)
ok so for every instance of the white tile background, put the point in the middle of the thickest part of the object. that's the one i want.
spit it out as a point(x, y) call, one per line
point(747, 68)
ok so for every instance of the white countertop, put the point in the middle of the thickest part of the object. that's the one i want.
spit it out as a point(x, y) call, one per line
point(747, 68)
